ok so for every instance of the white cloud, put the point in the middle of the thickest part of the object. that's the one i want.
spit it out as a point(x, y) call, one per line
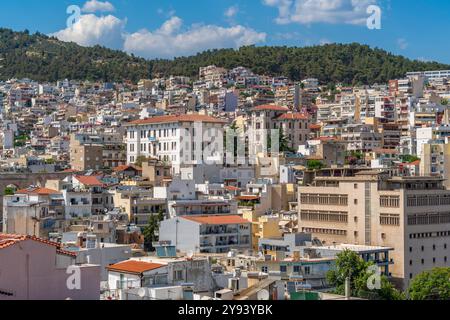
point(402, 43)
point(97, 6)
point(171, 41)
point(325, 41)
point(321, 11)
point(231, 12)
point(92, 30)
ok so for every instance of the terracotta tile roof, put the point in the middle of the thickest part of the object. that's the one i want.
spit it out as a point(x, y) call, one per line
point(135, 267)
point(178, 118)
point(90, 181)
point(126, 167)
point(38, 191)
point(248, 198)
point(415, 163)
point(293, 116)
point(7, 240)
point(315, 126)
point(231, 188)
point(270, 107)
point(216, 220)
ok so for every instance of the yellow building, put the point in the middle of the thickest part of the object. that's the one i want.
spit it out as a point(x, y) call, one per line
point(262, 227)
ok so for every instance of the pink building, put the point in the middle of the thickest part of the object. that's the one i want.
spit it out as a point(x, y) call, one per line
point(36, 269)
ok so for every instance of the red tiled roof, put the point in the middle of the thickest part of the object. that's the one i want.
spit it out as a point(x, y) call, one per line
point(293, 116)
point(315, 126)
point(136, 267)
point(231, 188)
point(248, 198)
point(7, 240)
point(415, 163)
point(38, 191)
point(178, 118)
point(216, 220)
point(270, 107)
point(90, 181)
point(126, 167)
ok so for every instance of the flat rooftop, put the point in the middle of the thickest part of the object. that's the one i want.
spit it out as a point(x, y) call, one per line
point(355, 248)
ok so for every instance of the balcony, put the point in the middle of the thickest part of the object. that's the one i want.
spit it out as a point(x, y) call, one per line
point(219, 231)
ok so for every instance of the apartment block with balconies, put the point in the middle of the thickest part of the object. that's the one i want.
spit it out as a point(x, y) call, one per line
point(409, 214)
point(207, 234)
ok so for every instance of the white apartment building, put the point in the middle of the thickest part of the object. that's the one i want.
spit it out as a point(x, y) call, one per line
point(437, 134)
point(176, 139)
point(437, 74)
point(361, 138)
point(207, 234)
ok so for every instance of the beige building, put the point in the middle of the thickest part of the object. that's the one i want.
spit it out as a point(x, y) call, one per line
point(295, 127)
point(93, 152)
point(410, 214)
point(435, 161)
point(139, 204)
point(156, 172)
point(85, 156)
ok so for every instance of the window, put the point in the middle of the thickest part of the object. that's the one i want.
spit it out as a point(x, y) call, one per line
point(283, 269)
point(355, 186)
point(264, 269)
point(307, 270)
point(178, 275)
point(355, 201)
point(423, 261)
point(296, 269)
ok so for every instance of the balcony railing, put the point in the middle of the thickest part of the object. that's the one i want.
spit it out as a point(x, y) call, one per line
point(220, 231)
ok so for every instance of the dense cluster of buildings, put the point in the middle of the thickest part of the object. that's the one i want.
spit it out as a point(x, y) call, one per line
point(230, 186)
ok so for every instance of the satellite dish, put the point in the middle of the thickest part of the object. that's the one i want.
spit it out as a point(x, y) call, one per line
point(190, 254)
point(263, 295)
point(142, 292)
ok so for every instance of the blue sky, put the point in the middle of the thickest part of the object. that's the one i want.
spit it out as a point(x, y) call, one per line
point(155, 28)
